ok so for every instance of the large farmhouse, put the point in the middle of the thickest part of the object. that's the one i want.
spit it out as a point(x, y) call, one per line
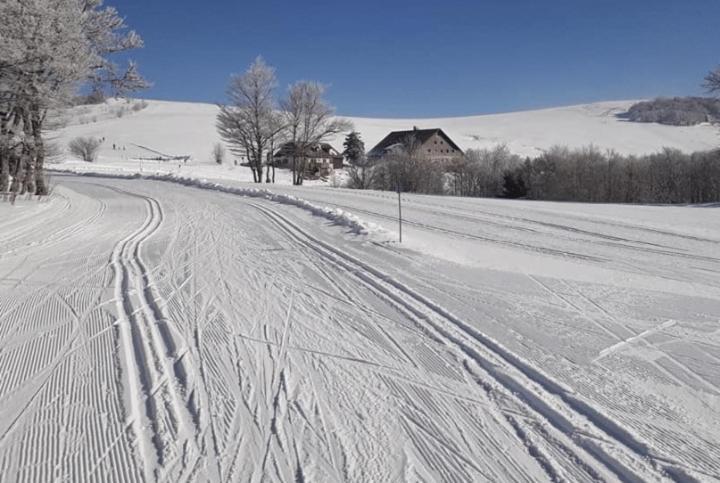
point(433, 144)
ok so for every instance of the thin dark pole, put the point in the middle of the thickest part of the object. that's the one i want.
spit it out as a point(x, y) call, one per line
point(399, 212)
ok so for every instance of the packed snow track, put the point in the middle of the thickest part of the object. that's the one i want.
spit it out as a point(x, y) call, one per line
point(156, 332)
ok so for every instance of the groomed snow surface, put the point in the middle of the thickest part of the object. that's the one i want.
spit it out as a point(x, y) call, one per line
point(176, 330)
point(172, 322)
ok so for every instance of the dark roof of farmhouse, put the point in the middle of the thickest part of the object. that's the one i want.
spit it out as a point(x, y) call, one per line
point(421, 135)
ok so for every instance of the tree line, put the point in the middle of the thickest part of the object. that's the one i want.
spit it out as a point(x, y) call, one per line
point(49, 49)
point(676, 111)
point(254, 122)
point(680, 111)
point(560, 174)
point(592, 175)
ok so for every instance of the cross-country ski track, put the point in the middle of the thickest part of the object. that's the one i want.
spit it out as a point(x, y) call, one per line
point(151, 331)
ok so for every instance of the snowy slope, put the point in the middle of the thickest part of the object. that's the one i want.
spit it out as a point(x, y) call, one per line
point(189, 129)
point(153, 331)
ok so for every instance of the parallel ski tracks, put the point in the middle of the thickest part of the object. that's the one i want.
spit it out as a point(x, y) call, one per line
point(517, 223)
point(472, 236)
point(604, 448)
point(158, 415)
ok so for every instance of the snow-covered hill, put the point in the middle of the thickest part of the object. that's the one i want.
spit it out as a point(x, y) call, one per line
point(179, 128)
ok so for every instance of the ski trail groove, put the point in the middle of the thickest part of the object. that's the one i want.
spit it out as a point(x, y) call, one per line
point(148, 358)
point(575, 420)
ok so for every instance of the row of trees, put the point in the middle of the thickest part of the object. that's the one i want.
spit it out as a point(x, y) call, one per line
point(676, 111)
point(680, 111)
point(562, 174)
point(48, 50)
point(592, 175)
point(254, 122)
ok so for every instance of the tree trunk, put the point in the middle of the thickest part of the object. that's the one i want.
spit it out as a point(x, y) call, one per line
point(4, 154)
point(294, 168)
point(270, 162)
point(300, 172)
point(4, 169)
point(13, 159)
point(41, 187)
point(27, 175)
point(15, 171)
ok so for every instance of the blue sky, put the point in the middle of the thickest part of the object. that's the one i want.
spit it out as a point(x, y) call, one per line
point(401, 58)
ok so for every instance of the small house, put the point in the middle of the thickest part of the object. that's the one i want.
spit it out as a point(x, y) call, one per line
point(320, 160)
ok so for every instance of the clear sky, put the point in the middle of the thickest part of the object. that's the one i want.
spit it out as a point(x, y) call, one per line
point(402, 58)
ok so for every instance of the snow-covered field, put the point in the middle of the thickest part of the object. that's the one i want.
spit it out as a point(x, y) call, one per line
point(168, 328)
point(177, 128)
point(155, 331)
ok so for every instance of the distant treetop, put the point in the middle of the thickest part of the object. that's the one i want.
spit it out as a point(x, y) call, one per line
point(676, 111)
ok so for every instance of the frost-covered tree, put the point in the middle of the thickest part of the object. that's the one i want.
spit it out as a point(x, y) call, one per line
point(85, 148)
point(277, 127)
point(481, 172)
point(48, 49)
point(309, 121)
point(249, 122)
point(676, 111)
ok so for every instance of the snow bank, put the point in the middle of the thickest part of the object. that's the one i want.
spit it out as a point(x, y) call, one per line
point(338, 216)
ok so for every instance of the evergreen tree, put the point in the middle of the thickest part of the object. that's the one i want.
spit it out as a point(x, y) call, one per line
point(361, 174)
point(354, 148)
point(514, 184)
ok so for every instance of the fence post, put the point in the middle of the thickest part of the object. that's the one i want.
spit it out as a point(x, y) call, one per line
point(399, 212)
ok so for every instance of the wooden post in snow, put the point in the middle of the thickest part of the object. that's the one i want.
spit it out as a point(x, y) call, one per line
point(399, 211)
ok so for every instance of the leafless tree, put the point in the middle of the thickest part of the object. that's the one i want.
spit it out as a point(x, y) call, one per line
point(712, 81)
point(85, 148)
point(591, 175)
point(277, 127)
point(361, 174)
point(481, 172)
point(249, 122)
point(676, 111)
point(308, 121)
